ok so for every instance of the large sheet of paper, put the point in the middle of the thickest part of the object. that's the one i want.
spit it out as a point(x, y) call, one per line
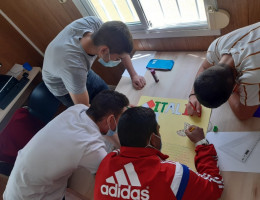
point(171, 116)
point(237, 151)
point(140, 60)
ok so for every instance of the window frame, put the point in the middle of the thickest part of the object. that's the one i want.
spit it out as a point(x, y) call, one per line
point(143, 30)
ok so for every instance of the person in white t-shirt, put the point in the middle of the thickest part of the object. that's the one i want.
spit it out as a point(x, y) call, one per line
point(73, 139)
point(230, 73)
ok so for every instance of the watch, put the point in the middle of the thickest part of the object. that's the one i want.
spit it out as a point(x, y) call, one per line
point(202, 142)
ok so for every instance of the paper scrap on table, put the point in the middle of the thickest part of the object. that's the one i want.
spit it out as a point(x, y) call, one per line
point(140, 60)
point(231, 148)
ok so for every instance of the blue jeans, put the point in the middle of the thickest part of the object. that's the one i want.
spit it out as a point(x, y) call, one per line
point(95, 84)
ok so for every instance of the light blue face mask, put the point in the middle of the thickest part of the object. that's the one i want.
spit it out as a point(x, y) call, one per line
point(110, 132)
point(110, 63)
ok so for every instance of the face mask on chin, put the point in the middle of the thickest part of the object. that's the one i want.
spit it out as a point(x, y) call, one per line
point(110, 132)
point(110, 63)
point(149, 144)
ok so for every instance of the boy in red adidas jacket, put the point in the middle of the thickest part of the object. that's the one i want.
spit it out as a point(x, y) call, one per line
point(140, 171)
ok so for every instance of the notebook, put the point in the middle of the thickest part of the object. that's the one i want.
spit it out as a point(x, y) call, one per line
point(159, 64)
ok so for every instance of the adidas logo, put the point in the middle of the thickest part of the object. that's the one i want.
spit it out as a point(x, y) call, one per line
point(126, 192)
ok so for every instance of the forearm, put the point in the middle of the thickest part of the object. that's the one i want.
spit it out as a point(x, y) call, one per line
point(206, 155)
point(241, 111)
point(138, 82)
point(194, 107)
point(206, 160)
point(129, 66)
point(201, 69)
point(205, 65)
point(80, 98)
point(207, 183)
point(234, 102)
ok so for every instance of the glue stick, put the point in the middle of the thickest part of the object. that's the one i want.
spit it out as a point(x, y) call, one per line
point(154, 75)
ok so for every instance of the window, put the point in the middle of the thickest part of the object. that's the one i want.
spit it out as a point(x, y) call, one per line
point(146, 18)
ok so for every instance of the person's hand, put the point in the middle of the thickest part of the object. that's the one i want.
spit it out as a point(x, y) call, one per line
point(193, 103)
point(195, 133)
point(138, 82)
point(131, 106)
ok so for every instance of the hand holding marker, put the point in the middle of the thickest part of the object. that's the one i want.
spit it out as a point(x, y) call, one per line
point(191, 128)
point(194, 108)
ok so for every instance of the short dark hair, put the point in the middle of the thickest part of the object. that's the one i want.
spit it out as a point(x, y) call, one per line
point(107, 102)
point(115, 35)
point(214, 86)
point(136, 126)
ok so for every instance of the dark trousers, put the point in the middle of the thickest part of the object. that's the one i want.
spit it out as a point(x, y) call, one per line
point(95, 84)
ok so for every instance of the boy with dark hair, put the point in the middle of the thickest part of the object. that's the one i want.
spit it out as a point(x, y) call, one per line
point(140, 171)
point(68, 59)
point(104, 104)
point(72, 140)
point(215, 85)
point(115, 35)
point(141, 118)
point(230, 72)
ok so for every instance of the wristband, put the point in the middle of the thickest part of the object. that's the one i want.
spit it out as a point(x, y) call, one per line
point(191, 95)
point(202, 142)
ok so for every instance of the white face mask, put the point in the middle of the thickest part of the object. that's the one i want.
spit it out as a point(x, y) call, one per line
point(149, 144)
point(110, 63)
point(110, 132)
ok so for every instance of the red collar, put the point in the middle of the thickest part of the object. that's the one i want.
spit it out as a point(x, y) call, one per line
point(138, 152)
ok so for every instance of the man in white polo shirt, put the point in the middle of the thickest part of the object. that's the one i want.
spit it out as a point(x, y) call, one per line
point(230, 72)
point(73, 139)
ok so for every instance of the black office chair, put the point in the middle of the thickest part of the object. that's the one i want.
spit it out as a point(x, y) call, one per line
point(42, 104)
point(3, 183)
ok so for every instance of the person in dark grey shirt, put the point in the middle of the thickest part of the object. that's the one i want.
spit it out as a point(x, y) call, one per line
point(68, 59)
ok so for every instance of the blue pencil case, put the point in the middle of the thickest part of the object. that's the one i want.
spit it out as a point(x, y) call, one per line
point(159, 64)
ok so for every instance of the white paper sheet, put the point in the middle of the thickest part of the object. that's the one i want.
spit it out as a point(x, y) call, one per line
point(232, 147)
point(140, 60)
point(16, 70)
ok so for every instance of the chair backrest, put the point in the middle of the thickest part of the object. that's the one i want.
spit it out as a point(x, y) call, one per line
point(25, 123)
point(42, 103)
point(6, 168)
point(257, 112)
point(5, 171)
point(3, 183)
point(18, 132)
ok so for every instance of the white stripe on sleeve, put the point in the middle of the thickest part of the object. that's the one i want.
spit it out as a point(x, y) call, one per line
point(177, 178)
